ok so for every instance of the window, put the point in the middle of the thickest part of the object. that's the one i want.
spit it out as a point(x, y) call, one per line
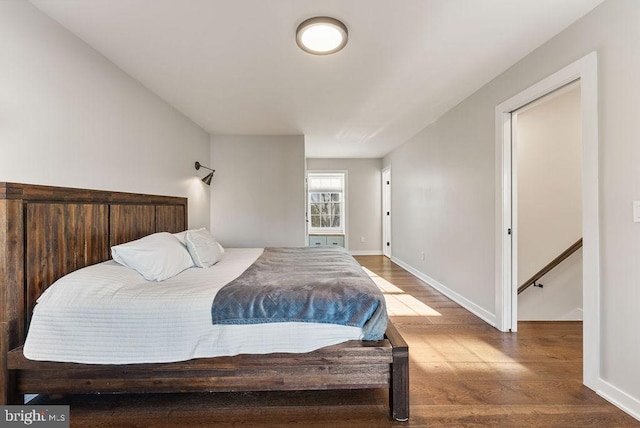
point(326, 202)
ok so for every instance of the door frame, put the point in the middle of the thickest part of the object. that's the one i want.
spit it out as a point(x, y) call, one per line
point(386, 207)
point(585, 70)
point(515, 229)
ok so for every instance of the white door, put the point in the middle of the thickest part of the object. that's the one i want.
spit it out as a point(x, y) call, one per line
point(386, 211)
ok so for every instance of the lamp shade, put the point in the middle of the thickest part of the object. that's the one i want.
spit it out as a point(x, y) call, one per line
point(207, 179)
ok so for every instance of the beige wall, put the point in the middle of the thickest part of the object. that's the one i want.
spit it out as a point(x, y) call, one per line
point(70, 117)
point(444, 185)
point(258, 190)
point(364, 201)
point(549, 204)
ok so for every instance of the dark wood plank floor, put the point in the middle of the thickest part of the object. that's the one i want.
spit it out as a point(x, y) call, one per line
point(463, 373)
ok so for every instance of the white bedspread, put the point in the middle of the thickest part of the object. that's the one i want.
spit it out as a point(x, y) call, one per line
point(109, 314)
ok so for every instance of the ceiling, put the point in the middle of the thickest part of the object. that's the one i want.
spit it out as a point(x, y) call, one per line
point(233, 66)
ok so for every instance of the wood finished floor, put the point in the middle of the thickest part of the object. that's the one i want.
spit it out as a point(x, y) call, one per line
point(463, 372)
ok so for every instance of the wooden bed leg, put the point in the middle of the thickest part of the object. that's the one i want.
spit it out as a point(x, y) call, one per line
point(399, 387)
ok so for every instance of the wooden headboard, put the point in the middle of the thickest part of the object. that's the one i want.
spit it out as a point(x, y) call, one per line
point(47, 232)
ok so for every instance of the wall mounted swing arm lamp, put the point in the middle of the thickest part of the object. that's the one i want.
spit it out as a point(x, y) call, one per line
point(207, 179)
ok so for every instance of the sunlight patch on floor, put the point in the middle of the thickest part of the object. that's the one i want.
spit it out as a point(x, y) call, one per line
point(406, 305)
point(471, 370)
point(400, 303)
point(467, 354)
point(462, 354)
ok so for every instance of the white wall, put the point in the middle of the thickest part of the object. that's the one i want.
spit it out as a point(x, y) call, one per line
point(70, 117)
point(258, 190)
point(442, 201)
point(549, 204)
point(444, 186)
point(561, 296)
point(364, 201)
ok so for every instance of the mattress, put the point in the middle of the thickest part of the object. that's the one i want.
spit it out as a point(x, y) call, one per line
point(109, 314)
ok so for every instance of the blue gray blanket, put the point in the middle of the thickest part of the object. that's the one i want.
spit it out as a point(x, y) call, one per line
point(307, 284)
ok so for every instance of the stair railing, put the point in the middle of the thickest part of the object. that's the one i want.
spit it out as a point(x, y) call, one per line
point(555, 262)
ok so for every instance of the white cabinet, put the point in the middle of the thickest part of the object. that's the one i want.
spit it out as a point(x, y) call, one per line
point(316, 241)
point(335, 240)
point(330, 240)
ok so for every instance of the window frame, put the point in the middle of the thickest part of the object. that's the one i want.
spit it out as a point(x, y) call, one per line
point(342, 230)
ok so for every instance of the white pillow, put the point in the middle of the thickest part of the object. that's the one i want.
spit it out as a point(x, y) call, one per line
point(182, 237)
point(204, 249)
point(156, 257)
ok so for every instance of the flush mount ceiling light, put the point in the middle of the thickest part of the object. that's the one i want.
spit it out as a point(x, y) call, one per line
point(321, 35)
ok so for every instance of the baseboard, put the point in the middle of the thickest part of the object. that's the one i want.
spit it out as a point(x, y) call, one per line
point(619, 398)
point(366, 253)
point(485, 315)
point(576, 314)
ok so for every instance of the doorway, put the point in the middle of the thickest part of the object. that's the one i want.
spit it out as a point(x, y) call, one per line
point(386, 212)
point(547, 207)
point(586, 71)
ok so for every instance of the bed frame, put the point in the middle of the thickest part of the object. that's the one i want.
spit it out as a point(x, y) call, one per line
point(47, 232)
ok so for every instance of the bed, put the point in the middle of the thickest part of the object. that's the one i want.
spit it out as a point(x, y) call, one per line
point(47, 232)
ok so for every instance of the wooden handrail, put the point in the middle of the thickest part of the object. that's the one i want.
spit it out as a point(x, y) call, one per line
point(555, 262)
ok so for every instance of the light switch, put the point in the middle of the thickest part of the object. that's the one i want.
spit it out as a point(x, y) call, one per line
point(636, 211)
